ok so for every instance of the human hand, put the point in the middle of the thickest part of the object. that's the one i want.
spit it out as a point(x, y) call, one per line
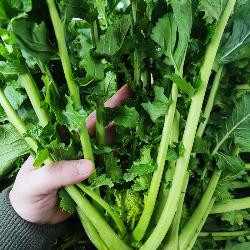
point(34, 195)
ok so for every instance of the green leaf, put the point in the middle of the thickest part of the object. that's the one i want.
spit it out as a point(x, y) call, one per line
point(212, 8)
point(172, 32)
point(130, 205)
point(182, 84)
point(8, 68)
point(230, 163)
point(32, 38)
point(12, 146)
point(234, 218)
point(102, 180)
point(236, 44)
point(3, 116)
point(41, 157)
point(200, 146)
point(240, 246)
point(158, 107)
point(83, 46)
point(141, 183)
point(22, 5)
point(125, 117)
point(172, 155)
point(60, 151)
point(74, 119)
point(15, 96)
point(66, 202)
point(237, 125)
point(113, 39)
point(11, 8)
point(43, 135)
point(113, 169)
point(141, 167)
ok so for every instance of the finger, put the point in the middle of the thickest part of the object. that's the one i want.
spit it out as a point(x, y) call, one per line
point(119, 97)
point(110, 133)
point(116, 100)
point(28, 165)
point(62, 173)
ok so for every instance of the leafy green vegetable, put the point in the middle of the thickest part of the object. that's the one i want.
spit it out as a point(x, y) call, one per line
point(12, 146)
point(177, 73)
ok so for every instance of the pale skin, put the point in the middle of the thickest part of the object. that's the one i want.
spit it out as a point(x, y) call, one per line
point(34, 195)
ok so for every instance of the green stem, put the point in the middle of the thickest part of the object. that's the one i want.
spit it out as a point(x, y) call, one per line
point(200, 226)
point(169, 173)
point(64, 55)
point(241, 184)
point(243, 87)
point(224, 234)
point(247, 166)
point(91, 231)
point(191, 226)
point(100, 129)
point(15, 120)
point(164, 223)
point(46, 72)
point(86, 143)
point(101, 7)
point(210, 102)
point(143, 223)
point(34, 96)
point(134, 10)
point(172, 241)
point(230, 205)
point(73, 87)
point(107, 234)
point(119, 223)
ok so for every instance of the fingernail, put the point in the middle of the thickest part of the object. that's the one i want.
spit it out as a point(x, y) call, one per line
point(85, 167)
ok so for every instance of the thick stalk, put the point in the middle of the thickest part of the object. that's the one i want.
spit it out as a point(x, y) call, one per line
point(64, 55)
point(169, 173)
point(86, 143)
point(21, 128)
point(35, 97)
point(196, 234)
point(241, 184)
point(247, 166)
point(190, 228)
point(143, 223)
point(100, 129)
point(16, 121)
point(201, 130)
point(172, 241)
point(91, 231)
point(230, 205)
point(164, 223)
point(73, 87)
point(107, 234)
point(118, 221)
point(224, 234)
point(210, 102)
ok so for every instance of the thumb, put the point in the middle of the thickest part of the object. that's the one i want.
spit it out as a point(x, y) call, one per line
point(62, 173)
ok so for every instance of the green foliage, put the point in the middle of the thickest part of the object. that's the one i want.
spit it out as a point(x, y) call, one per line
point(130, 205)
point(32, 38)
point(114, 37)
point(158, 107)
point(148, 45)
point(213, 9)
point(66, 202)
point(12, 146)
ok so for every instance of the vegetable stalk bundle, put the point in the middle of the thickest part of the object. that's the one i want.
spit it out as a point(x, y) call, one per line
point(178, 163)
